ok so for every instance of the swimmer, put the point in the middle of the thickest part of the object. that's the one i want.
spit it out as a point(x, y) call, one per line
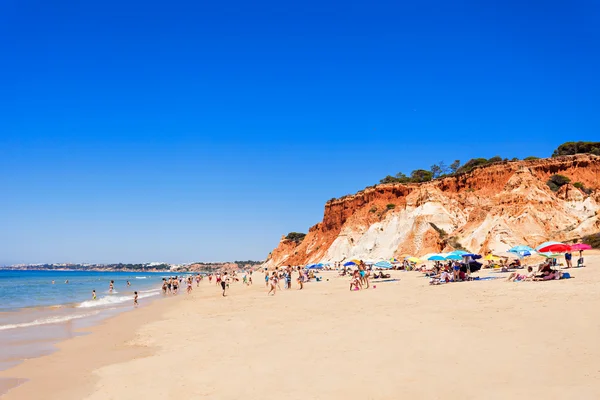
point(53, 282)
point(67, 281)
point(128, 284)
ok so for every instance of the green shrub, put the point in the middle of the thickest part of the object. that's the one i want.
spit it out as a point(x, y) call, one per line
point(373, 209)
point(530, 158)
point(559, 180)
point(570, 148)
point(390, 206)
point(582, 187)
point(296, 236)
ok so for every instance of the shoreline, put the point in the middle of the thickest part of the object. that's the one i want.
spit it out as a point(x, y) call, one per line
point(403, 338)
point(103, 335)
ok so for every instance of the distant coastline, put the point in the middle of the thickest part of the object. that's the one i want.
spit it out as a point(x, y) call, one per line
point(145, 267)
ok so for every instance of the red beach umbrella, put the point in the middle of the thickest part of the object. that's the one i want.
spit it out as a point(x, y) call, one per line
point(553, 247)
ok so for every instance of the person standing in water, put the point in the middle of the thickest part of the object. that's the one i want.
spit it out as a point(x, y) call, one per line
point(94, 294)
point(135, 299)
point(111, 287)
point(128, 284)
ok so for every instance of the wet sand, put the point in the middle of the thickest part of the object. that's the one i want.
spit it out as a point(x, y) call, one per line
point(404, 339)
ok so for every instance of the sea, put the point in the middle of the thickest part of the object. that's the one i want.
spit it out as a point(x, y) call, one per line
point(40, 308)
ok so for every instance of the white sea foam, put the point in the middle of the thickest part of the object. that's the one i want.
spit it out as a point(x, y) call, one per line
point(140, 277)
point(108, 300)
point(46, 321)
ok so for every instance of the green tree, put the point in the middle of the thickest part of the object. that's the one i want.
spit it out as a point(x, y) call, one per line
point(570, 148)
point(421, 175)
point(454, 166)
point(436, 171)
point(296, 236)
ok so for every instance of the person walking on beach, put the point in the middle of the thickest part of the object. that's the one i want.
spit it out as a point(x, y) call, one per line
point(224, 282)
point(189, 285)
point(300, 279)
point(94, 294)
point(135, 299)
point(266, 278)
point(273, 283)
point(198, 280)
point(250, 278)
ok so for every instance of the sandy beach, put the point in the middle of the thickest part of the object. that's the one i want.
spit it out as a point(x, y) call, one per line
point(404, 339)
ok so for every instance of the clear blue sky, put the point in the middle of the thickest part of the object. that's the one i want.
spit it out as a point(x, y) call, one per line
point(189, 130)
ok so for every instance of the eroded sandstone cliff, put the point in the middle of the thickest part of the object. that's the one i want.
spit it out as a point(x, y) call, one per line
point(490, 208)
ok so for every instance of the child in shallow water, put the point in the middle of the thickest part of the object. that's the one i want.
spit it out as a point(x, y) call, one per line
point(135, 299)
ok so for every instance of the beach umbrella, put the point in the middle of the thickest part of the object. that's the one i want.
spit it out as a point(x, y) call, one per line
point(508, 254)
point(521, 248)
point(413, 260)
point(491, 257)
point(473, 256)
point(349, 263)
point(581, 247)
point(383, 264)
point(553, 247)
point(459, 252)
point(453, 256)
point(550, 254)
point(314, 266)
point(436, 257)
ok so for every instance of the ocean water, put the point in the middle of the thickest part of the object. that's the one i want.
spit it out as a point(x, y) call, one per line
point(35, 313)
point(25, 289)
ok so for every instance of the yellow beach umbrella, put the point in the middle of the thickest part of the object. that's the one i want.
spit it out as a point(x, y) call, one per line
point(491, 257)
point(413, 260)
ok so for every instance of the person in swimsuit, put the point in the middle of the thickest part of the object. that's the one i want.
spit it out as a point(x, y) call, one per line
point(164, 286)
point(175, 285)
point(170, 285)
point(273, 283)
point(111, 287)
point(128, 284)
point(135, 299)
point(189, 285)
point(300, 278)
point(515, 276)
point(94, 294)
point(198, 280)
point(224, 282)
point(210, 278)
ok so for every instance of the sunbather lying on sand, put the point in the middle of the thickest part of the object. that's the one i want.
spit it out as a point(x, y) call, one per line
point(515, 276)
point(438, 279)
point(549, 276)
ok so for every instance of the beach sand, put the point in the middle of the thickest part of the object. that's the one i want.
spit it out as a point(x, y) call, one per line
point(404, 339)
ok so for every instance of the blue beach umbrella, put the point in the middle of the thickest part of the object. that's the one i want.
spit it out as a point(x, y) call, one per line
point(453, 256)
point(459, 252)
point(473, 256)
point(383, 264)
point(436, 257)
point(520, 248)
point(349, 263)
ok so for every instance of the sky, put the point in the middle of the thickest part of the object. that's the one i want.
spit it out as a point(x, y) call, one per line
point(184, 131)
